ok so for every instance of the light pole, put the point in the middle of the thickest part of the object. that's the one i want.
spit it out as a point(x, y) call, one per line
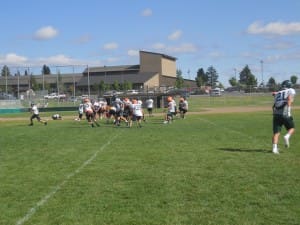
point(74, 88)
point(235, 74)
point(262, 72)
point(88, 74)
point(6, 80)
point(105, 86)
point(29, 78)
point(18, 74)
point(43, 80)
point(57, 83)
point(43, 84)
point(236, 79)
point(104, 74)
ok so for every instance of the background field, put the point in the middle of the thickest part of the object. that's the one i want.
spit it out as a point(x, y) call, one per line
point(207, 169)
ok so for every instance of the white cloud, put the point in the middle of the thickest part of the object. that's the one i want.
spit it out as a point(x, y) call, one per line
point(45, 33)
point(110, 46)
point(56, 60)
point(272, 58)
point(183, 48)
point(158, 46)
point(147, 12)
point(283, 57)
point(12, 59)
point(133, 52)
point(175, 35)
point(274, 28)
point(112, 59)
point(280, 45)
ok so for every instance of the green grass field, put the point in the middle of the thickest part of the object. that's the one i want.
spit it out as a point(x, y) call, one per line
point(206, 169)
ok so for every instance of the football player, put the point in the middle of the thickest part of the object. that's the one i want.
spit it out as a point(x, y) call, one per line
point(282, 115)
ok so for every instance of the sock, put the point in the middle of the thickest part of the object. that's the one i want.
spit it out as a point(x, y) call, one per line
point(287, 136)
point(275, 147)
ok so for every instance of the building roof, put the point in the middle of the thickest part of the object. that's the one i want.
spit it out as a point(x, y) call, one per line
point(51, 78)
point(112, 68)
point(162, 55)
point(110, 79)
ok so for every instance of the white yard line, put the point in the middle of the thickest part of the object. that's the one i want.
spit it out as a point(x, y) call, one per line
point(45, 199)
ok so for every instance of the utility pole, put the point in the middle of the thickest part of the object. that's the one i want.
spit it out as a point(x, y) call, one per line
point(88, 74)
point(6, 80)
point(262, 72)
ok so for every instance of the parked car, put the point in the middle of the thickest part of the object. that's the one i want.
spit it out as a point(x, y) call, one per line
point(132, 92)
point(7, 96)
point(178, 92)
point(112, 93)
point(84, 96)
point(108, 93)
point(73, 99)
point(216, 92)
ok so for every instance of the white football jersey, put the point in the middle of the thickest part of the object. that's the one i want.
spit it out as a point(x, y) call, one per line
point(281, 100)
point(35, 110)
point(137, 109)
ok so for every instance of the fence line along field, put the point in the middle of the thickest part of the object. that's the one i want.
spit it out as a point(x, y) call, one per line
point(210, 168)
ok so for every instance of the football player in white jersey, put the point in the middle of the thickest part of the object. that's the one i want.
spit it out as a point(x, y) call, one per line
point(170, 110)
point(282, 115)
point(96, 107)
point(35, 114)
point(102, 109)
point(183, 107)
point(149, 105)
point(80, 111)
point(89, 112)
point(137, 113)
point(56, 116)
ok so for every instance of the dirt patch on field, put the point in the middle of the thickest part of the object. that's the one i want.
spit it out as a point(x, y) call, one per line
point(222, 110)
point(205, 111)
point(233, 110)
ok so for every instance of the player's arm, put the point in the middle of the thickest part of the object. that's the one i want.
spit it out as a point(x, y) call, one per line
point(289, 104)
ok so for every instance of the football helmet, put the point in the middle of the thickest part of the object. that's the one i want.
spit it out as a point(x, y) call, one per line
point(286, 84)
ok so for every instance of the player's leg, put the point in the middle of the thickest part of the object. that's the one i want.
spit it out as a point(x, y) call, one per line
point(277, 124)
point(31, 119)
point(290, 127)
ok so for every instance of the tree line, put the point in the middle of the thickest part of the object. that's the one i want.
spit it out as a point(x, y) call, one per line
point(246, 80)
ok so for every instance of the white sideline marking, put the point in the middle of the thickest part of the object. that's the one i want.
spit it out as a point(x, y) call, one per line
point(44, 200)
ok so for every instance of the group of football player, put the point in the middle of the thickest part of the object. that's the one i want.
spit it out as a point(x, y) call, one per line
point(127, 110)
point(118, 111)
point(172, 110)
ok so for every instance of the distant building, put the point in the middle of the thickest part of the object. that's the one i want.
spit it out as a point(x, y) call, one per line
point(156, 71)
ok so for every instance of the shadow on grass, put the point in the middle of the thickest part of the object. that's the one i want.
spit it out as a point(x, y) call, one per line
point(245, 150)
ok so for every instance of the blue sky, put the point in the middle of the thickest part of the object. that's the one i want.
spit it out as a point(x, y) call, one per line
point(228, 35)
